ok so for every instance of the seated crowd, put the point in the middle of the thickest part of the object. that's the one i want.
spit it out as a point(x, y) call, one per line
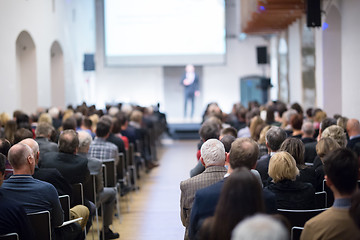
point(273, 159)
point(44, 155)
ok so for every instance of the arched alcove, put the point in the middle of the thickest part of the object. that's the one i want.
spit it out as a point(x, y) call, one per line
point(332, 62)
point(26, 72)
point(57, 75)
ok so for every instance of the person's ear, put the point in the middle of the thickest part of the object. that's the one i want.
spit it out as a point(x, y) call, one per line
point(329, 183)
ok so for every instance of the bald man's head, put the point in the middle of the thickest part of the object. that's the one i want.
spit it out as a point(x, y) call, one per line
point(34, 147)
point(21, 158)
point(353, 127)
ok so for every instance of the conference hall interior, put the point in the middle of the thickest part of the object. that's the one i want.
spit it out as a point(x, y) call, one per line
point(179, 119)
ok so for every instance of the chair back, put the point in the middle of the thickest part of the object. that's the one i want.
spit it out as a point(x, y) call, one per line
point(110, 174)
point(90, 189)
point(120, 168)
point(65, 205)
point(298, 218)
point(321, 200)
point(296, 233)
point(41, 225)
point(131, 154)
point(9, 236)
point(78, 194)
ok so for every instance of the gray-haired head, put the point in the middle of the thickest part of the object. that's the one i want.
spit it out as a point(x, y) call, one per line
point(213, 153)
point(274, 137)
point(85, 140)
point(260, 227)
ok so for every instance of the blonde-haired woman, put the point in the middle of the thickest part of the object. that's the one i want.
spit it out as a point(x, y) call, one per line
point(290, 194)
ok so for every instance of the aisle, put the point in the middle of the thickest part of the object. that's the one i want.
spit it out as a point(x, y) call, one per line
point(155, 209)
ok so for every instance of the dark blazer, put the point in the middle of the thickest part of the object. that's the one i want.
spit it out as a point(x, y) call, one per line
point(310, 152)
point(46, 146)
point(293, 195)
point(206, 200)
point(13, 219)
point(308, 140)
point(72, 167)
point(262, 166)
point(351, 143)
point(53, 176)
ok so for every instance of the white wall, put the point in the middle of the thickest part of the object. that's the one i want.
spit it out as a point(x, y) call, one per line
point(222, 83)
point(350, 46)
point(295, 75)
point(68, 22)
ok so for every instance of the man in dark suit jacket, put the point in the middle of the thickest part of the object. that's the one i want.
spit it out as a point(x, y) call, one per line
point(353, 130)
point(43, 133)
point(274, 137)
point(73, 167)
point(244, 153)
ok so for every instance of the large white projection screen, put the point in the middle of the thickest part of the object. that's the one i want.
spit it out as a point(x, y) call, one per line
point(164, 32)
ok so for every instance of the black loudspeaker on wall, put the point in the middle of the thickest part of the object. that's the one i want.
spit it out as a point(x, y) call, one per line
point(313, 16)
point(89, 63)
point(261, 53)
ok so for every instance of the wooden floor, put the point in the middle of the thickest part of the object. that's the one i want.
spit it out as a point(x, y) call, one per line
point(154, 210)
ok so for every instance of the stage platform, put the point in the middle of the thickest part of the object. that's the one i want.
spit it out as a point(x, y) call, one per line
point(184, 128)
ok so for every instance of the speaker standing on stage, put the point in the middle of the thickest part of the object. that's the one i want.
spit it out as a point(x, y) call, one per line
point(191, 82)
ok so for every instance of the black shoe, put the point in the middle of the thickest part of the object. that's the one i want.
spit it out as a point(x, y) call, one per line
point(109, 235)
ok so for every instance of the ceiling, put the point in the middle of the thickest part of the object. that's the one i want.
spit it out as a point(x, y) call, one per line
point(270, 16)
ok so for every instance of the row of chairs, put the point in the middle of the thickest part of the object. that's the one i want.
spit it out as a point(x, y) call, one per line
point(41, 222)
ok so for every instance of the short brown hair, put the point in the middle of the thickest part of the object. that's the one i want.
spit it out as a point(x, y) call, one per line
point(68, 141)
point(244, 152)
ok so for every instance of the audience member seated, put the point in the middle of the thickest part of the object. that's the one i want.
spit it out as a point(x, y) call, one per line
point(337, 133)
point(213, 158)
point(310, 148)
point(263, 150)
point(341, 173)
point(10, 129)
point(208, 130)
point(4, 149)
point(228, 131)
point(296, 122)
point(53, 176)
point(21, 134)
point(290, 194)
point(274, 137)
point(353, 130)
point(243, 153)
point(324, 146)
point(43, 133)
point(13, 217)
point(71, 166)
point(106, 195)
point(34, 195)
point(240, 197)
point(308, 131)
point(295, 147)
point(256, 125)
point(260, 227)
point(100, 148)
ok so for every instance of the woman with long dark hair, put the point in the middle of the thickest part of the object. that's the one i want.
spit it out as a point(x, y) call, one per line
point(240, 197)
